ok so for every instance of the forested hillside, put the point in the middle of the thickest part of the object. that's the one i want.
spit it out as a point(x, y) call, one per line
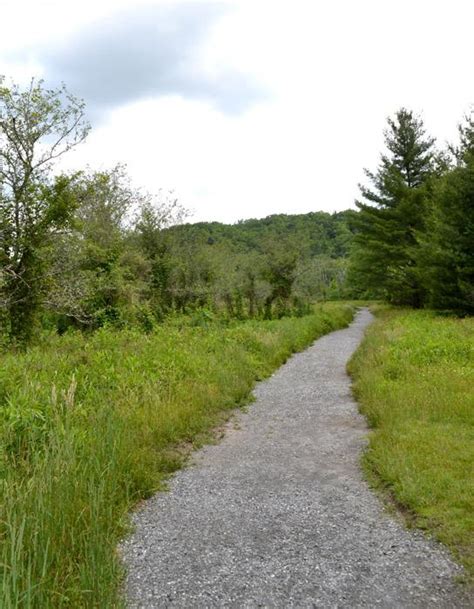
point(261, 267)
point(320, 233)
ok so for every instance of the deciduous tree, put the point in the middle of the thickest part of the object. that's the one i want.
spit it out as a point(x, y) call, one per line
point(37, 126)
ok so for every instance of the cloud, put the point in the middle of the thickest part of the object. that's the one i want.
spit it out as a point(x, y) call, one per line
point(147, 52)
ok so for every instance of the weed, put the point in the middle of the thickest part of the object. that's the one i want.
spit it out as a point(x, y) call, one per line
point(413, 376)
point(91, 425)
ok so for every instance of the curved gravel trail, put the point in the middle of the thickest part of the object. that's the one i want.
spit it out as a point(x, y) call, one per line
point(278, 514)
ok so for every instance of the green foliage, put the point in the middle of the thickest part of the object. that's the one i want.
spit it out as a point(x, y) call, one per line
point(318, 232)
point(257, 268)
point(413, 376)
point(385, 246)
point(415, 245)
point(89, 250)
point(89, 425)
point(37, 126)
point(446, 255)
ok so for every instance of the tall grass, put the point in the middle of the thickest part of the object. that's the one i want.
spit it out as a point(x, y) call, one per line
point(414, 378)
point(89, 426)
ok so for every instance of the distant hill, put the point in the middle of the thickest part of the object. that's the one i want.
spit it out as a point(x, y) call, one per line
point(318, 233)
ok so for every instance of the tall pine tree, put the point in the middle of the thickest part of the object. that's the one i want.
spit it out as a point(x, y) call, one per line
point(384, 256)
point(447, 248)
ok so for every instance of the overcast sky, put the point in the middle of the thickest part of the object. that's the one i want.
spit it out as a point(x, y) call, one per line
point(246, 108)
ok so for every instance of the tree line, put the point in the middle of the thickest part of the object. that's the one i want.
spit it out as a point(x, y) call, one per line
point(414, 233)
point(87, 249)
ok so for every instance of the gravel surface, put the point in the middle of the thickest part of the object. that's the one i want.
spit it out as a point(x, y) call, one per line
point(278, 513)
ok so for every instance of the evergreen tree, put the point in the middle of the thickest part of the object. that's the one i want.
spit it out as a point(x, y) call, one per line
point(383, 260)
point(447, 247)
point(466, 138)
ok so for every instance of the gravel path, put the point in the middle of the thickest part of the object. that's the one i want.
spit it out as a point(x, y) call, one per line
point(278, 514)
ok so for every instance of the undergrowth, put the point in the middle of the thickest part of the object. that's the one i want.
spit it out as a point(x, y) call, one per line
point(414, 378)
point(91, 425)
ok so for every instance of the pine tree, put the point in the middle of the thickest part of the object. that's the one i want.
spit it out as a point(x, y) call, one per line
point(384, 256)
point(447, 247)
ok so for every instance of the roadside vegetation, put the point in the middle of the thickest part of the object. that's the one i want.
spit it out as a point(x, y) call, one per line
point(126, 335)
point(88, 249)
point(89, 425)
point(414, 378)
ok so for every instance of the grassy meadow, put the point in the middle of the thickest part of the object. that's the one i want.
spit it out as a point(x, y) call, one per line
point(414, 378)
point(91, 425)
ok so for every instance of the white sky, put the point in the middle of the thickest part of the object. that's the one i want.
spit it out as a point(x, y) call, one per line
point(330, 73)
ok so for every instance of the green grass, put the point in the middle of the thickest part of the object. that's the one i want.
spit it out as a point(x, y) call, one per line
point(91, 425)
point(414, 378)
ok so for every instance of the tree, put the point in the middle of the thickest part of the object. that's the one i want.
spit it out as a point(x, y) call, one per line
point(282, 256)
point(37, 126)
point(466, 139)
point(154, 215)
point(88, 278)
point(447, 250)
point(102, 269)
point(383, 261)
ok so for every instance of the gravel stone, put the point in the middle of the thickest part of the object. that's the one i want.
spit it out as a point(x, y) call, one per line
point(278, 514)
